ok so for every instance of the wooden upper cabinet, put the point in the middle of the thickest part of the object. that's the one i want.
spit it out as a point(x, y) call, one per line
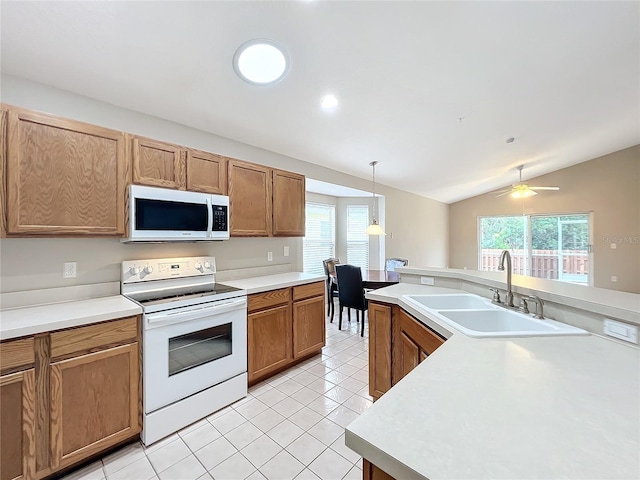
point(63, 177)
point(250, 199)
point(3, 171)
point(288, 204)
point(158, 164)
point(206, 172)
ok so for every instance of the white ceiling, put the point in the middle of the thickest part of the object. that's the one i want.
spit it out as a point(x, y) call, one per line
point(563, 78)
point(324, 188)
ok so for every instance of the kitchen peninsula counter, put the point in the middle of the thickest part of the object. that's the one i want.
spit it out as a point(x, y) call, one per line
point(536, 407)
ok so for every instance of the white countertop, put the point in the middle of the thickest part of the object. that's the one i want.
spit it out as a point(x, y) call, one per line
point(273, 282)
point(65, 307)
point(622, 305)
point(18, 322)
point(537, 407)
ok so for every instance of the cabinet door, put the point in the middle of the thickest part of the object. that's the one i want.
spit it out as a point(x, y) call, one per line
point(158, 164)
point(18, 432)
point(415, 343)
point(371, 472)
point(250, 199)
point(3, 172)
point(379, 349)
point(94, 403)
point(64, 177)
point(269, 343)
point(308, 326)
point(206, 172)
point(288, 204)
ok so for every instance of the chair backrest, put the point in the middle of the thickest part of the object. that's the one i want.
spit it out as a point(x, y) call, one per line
point(330, 265)
point(390, 264)
point(350, 290)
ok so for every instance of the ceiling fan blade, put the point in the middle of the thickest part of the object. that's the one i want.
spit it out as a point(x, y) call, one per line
point(503, 193)
point(544, 188)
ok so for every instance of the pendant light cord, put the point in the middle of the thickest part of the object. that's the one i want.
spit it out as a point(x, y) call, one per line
point(373, 164)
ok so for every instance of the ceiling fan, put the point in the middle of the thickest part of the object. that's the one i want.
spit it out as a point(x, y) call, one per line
point(521, 189)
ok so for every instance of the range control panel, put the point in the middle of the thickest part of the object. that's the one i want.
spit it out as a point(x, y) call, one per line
point(164, 268)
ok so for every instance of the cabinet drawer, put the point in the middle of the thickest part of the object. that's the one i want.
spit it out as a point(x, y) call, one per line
point(308, 290)
point(260, 301)
point(84, 339)
point(16, 353)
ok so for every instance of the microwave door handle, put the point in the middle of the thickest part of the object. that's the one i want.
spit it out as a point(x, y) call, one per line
point(180, 316)
point(210, 215)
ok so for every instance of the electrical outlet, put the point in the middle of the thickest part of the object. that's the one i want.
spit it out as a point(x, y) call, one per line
point(614, 278)
point(427, 280)
point(613, 246)
point(69, 269)
point(628, 333)
point(286, 251)
point(269, 256)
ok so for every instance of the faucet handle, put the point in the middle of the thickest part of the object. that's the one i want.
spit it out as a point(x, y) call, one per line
point(523, 305)
point(496, 295)
point(539, 306)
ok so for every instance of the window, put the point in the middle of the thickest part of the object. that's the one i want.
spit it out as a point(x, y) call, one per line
point(320, 240)
point(357, 240)
point(544, 246)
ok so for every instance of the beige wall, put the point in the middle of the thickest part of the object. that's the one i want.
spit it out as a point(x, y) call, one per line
point(608, 186)
point(28, 264)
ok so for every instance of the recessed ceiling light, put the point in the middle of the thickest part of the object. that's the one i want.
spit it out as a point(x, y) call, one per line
point(260, 62)
point(329, 102)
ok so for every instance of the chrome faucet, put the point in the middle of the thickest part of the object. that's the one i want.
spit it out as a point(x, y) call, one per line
point(509, 297)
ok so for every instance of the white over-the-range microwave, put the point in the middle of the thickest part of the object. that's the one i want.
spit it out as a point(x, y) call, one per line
point(165, 215)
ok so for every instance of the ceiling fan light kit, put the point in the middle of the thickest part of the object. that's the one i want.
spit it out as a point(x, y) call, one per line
point(522, 190)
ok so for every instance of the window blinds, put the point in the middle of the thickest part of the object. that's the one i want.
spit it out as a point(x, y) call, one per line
point(320, 236)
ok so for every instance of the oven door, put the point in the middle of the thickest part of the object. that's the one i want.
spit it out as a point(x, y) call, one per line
point(187, 350)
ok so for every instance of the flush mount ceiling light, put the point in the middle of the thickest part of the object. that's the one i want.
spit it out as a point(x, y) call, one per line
point(260, 62)
point(329, 102)
point(374, 228)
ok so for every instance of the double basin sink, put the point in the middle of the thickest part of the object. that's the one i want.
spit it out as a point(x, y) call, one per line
point(478, 317)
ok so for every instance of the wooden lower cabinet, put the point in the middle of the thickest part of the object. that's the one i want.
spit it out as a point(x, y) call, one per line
point(79, 393)
point(415, 343)
point(269, 339)
point(380, 322)
point(308, 326)
point(284, 326)
point(371, 472)
point(397, 344)
point(94, 403)
point(18, 427)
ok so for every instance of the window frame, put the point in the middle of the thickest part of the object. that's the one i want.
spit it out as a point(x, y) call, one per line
point(529, 243)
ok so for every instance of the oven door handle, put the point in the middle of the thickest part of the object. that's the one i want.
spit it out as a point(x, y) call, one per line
point(194, 313)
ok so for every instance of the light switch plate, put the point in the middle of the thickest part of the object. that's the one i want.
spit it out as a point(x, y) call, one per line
point(286, 251)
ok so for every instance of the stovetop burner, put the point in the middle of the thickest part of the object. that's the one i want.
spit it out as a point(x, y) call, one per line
point(196, 292)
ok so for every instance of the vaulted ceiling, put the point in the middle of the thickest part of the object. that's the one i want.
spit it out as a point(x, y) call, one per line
point(431, 90)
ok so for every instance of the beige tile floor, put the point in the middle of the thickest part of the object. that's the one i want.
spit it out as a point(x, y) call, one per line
point(290, 426)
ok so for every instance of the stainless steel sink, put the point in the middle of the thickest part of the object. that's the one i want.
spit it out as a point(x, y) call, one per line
point(476, 316)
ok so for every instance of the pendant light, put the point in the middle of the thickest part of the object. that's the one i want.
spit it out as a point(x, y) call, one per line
point(374, 228)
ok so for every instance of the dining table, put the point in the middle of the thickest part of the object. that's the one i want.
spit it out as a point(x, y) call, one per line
point(374, 279)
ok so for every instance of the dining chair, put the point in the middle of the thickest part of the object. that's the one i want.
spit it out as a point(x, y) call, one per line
point(332, 287)
point(351, 292)
point(390, 264)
